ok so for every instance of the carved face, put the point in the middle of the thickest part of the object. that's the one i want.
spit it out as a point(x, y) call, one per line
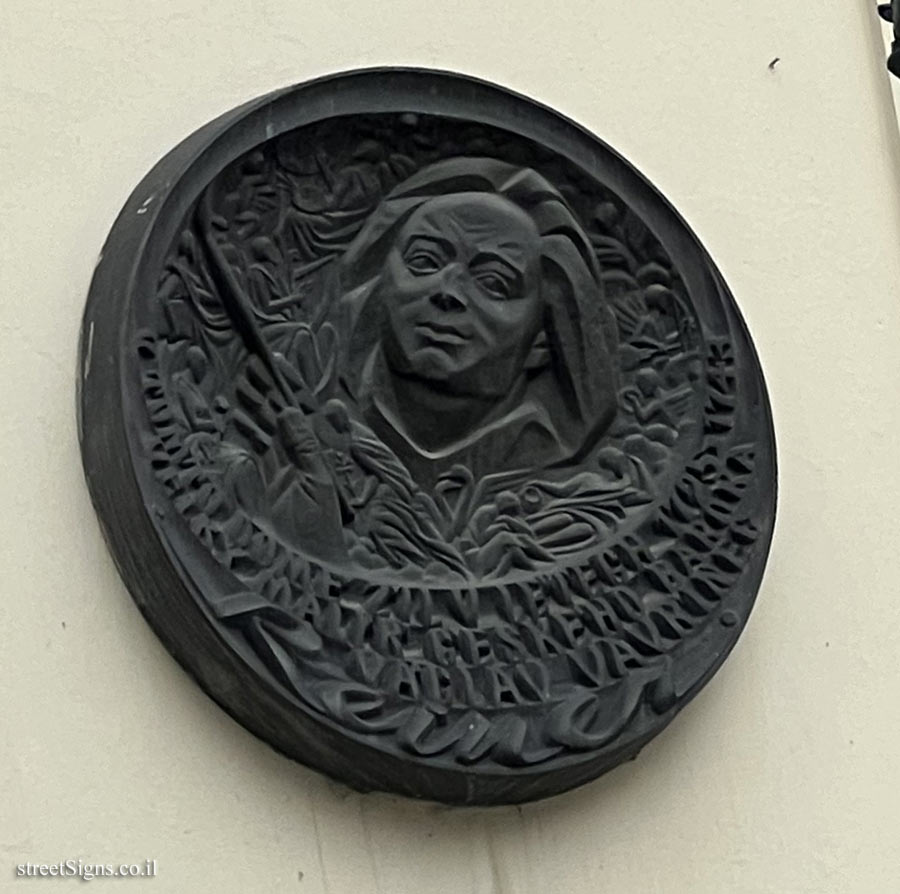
point(461, 294)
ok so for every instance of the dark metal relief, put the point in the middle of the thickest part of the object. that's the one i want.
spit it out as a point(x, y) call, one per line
point(455, 451)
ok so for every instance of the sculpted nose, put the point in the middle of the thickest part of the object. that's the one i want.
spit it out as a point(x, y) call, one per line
point(449, 296)
point(448, 301)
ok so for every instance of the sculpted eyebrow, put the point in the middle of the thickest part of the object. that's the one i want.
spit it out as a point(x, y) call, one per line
point(487, 257)
point(443, 244)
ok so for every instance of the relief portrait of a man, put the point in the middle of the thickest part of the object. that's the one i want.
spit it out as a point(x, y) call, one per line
point(472, 368)
point(474, 324)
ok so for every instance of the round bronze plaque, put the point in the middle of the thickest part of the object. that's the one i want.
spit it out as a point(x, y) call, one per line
point(426, 435)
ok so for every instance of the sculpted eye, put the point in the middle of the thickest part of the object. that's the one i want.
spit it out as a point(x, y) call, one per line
point(497, 278)
point(421, 263)
point(425, 255)
point(496, 285)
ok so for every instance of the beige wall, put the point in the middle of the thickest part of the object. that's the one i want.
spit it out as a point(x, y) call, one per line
point(784, 775)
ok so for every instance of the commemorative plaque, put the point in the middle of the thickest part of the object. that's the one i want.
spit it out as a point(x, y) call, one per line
point(426, 435)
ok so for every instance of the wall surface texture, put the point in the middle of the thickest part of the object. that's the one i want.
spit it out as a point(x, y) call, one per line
point(783, 775)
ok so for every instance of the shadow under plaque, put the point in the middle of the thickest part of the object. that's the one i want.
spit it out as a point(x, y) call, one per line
point(425, 435)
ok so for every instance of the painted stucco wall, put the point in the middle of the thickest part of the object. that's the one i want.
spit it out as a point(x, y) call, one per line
point(783, 776)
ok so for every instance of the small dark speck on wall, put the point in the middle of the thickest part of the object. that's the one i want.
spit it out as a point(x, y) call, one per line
point(774, 63)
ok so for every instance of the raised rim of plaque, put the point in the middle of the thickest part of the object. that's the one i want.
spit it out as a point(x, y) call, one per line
point(570, 657)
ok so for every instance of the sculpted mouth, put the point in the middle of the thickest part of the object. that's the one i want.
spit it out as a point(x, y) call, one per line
point(442, 333)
